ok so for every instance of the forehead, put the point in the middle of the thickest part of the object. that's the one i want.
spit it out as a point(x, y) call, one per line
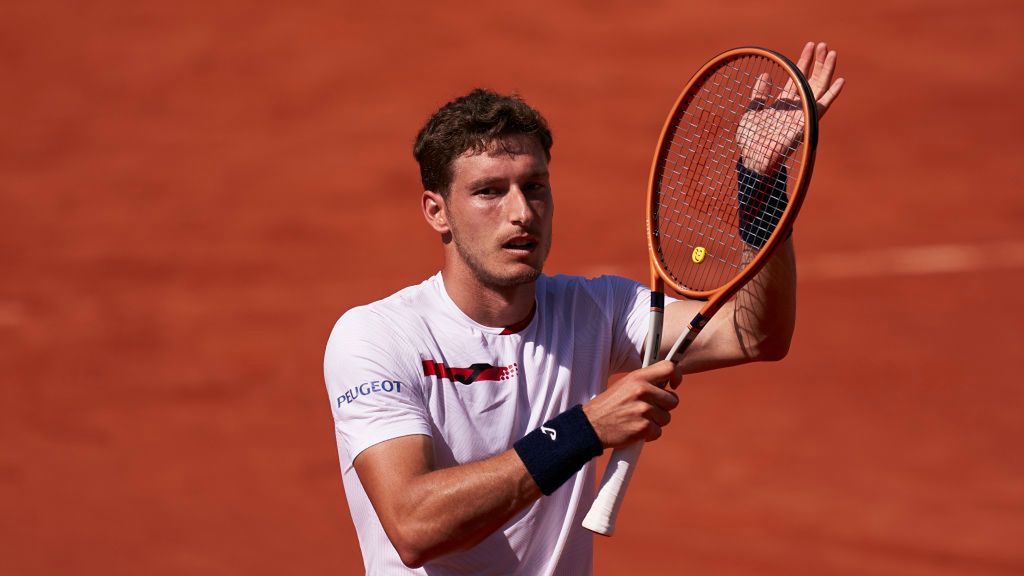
point(511, 154)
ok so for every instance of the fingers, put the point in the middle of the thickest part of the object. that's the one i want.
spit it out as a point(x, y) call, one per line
point(657, 419)
point(659, 416)
point(788, 93)
point(819, 76)
point(825, 89)
point(636, 407)
point(829, 96)
point(762, 89)
point(821, 53)
point(661, 373)
point(666, 372)
point(824, 68)
point(805, 58)
point(818, 65)
point(654, 418)
point(652, 433)
point(659, 400)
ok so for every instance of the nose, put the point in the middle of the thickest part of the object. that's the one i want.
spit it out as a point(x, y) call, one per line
point(519, 210)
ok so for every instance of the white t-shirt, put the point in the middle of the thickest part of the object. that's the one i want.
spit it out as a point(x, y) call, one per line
point(414, 363)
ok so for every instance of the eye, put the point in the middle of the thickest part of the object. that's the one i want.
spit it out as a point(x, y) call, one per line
point(535, 188)
point(487, 192)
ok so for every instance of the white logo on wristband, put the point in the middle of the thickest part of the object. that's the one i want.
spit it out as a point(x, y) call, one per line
point(550, 432)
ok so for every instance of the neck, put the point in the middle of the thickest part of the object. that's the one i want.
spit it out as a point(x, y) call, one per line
point(494, 306)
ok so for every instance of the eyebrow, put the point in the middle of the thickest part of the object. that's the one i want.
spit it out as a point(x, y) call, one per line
point(489, 180)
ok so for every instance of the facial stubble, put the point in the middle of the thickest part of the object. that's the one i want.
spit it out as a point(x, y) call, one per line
point(487, 277)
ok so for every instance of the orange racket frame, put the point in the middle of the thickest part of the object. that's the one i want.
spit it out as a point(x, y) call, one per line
point(603, 514)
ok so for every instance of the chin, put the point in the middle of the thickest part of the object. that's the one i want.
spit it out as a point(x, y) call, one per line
point(507, 278)
point(502, 273)
point(527, 276)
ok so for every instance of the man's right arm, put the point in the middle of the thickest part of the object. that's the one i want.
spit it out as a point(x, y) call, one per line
point(428, 512)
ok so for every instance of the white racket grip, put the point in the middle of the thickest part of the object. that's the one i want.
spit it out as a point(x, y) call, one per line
point(605, 510)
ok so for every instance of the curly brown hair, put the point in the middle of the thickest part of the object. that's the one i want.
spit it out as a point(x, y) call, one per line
point(472, 123)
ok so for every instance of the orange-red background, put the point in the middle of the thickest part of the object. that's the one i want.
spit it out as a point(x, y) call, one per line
point(193, 192)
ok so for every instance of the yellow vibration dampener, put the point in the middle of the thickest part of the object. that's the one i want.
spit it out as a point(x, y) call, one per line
point(698, 254)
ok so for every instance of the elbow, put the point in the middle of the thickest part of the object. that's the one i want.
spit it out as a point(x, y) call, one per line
point(775, 340)
point(417, 556)
point(412, 554)
point(763, 334)
point(774, 347)
point(411, 558)
point(413, 550)
point(774, 350)
point(770, 346)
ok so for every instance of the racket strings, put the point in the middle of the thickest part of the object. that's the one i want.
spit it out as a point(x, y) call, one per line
point(742, 112)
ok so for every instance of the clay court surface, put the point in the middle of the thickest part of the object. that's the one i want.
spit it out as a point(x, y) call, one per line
point(191, 194)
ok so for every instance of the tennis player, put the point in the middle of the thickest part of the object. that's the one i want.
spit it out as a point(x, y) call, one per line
point(469, 408)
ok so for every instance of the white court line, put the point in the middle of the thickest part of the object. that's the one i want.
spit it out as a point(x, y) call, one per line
point(904, 261)
point(912, 261)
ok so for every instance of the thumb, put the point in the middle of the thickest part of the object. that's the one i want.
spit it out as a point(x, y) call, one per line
point(658, 373)
point(667, 372)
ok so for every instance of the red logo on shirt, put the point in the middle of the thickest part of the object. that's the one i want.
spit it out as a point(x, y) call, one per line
point(480, 372)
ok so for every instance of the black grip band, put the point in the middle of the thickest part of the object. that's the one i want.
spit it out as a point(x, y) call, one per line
point(657, 299)
point(762, 201)
point(559, 448)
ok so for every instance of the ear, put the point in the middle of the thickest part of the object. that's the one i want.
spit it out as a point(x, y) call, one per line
point(435, 211)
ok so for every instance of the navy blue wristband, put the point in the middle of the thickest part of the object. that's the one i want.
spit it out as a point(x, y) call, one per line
point(559, 448)
point(762, 201)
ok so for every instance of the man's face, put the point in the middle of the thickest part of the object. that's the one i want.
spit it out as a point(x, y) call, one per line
point(499, 209)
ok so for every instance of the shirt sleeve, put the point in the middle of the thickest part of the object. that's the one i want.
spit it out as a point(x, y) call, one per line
point(629, 304)
point(372, 382)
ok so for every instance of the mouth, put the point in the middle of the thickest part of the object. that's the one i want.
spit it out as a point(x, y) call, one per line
point(523, 244)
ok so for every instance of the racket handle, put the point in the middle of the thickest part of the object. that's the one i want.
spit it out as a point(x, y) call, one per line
point(605, 510)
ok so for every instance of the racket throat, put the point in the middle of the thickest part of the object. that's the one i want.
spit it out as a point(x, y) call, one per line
point(683, 344)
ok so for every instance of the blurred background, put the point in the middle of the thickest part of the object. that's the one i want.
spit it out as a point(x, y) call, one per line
point(192, 192)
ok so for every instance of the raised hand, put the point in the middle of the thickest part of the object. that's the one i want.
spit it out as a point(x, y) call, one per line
point(768, 134)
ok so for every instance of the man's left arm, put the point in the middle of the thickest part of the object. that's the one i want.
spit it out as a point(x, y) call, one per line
point(757, 324)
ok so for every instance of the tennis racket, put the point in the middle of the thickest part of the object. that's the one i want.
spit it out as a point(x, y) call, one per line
point(728, 178)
